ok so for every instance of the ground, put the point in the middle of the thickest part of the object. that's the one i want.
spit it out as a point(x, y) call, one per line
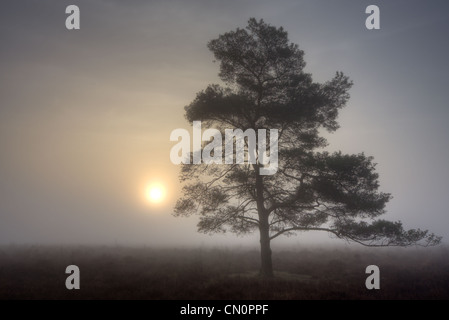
point(115, 272)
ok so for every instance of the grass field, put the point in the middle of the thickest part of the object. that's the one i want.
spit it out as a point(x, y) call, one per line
point(38, 272)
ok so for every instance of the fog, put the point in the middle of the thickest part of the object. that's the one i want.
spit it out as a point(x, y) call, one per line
point(86, 115)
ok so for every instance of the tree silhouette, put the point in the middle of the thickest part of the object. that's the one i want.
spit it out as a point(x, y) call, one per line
point(266, 88)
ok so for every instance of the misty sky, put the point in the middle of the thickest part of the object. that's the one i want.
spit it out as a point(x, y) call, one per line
point(86, 115)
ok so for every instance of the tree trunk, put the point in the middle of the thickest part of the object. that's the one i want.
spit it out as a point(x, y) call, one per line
point(266, 267)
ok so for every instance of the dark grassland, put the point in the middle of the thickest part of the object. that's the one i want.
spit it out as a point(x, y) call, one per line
point(37, 272)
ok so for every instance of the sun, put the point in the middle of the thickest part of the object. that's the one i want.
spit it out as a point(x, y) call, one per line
point(155, 193)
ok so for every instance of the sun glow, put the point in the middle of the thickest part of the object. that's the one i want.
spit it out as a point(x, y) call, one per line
point(155, 193)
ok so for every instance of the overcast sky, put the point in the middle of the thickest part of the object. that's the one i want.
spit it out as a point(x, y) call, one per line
point(86, 115)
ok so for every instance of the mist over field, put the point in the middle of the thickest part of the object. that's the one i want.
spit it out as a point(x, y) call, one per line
point(85, 173)
point(312, 272)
